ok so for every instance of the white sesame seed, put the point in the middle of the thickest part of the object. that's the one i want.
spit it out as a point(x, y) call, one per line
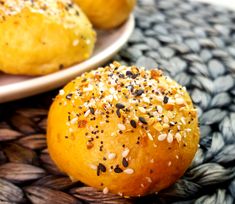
point(179, 101)
point(169, 163)
point(102, 122)
point(188, 130)
point(94, 167)
point(159, 109)
point(176, 156)
point(150, 136)
point(74, 120)
point(105, 190)
point(152, 161)
point(160, 98)
point(171, 101)
point(89, 88)
point(162, 137)
point(88, 42)
point(121, 127)
point(111, 156)
point(142, 110)
point(87, 113)
point(183, 120)
point(61, 92)
point(112, 66)
point(146, 100)
point(170, 137)
point(142, 185)
point(166, 119)
point(125, 152)
point(148, 179)
point(128, 171)
point(178, 137)
point(75, 42)
point(109, 98)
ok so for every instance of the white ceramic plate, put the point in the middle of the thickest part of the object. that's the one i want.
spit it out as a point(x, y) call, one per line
point(14, 87)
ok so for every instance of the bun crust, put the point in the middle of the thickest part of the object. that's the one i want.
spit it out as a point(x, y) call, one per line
point(42, 36)
point(107, 14)
point(121, 129)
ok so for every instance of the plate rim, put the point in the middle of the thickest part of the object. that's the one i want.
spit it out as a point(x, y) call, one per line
point(30, 87)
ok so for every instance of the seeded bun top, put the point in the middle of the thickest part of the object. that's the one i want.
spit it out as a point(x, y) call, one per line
point(62, 11)
point(124, 129)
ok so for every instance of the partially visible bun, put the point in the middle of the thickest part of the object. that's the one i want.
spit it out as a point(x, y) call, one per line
point(122, 129)
point(107, 14)
point(42, 36)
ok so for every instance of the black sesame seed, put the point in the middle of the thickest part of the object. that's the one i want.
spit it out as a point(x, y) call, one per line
point(120, 106)
point(139, 92)
point(165, 100)
point(124, 162)
point(134, 76)
point(129, 73)
point(69, 96)
point(121, 76)
point(102, 167)
point(92, 110)
point(133, 124)
point(118, 113)
point(118, 170)
point(142, 120)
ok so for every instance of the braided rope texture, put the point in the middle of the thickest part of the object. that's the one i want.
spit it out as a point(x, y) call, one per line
point(192, 42)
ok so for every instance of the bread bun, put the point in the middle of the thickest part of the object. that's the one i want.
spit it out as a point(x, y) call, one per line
point(126, 130)
point(107, 14)
point(42, 36)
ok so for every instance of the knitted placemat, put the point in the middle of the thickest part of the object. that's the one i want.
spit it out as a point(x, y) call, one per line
point(192, 42)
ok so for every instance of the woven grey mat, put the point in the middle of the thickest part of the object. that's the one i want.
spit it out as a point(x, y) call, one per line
point(194, 43)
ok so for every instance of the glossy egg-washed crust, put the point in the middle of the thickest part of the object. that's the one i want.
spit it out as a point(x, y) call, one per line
point(122, 129)
point(42, 36)
point(106, 14)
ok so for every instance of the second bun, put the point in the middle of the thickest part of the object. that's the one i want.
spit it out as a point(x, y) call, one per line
point(42, 36)
point(107, 14)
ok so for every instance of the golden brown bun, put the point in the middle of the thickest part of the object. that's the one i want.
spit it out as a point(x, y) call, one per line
point(42, 36)
point(107, 14)
point(123, 130)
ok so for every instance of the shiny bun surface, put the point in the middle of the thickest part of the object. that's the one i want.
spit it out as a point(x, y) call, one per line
point(124, 130)
point(43, 36)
